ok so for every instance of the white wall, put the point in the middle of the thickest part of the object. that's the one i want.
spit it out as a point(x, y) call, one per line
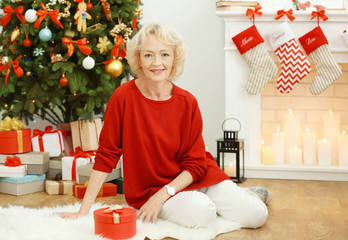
point(203, 32)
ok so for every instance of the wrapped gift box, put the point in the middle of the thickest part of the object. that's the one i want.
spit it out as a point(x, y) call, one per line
point(70, 165)
point(59, 187)
point(85, 134)
point(49, 141)
point(107, 190)
point(12, 142)
point(85, 171)
point(18, 171)
point(55, 167)
point(120, 185)
point(120, 224)
point(37, 162)
point(22, 185)
point(68, 146)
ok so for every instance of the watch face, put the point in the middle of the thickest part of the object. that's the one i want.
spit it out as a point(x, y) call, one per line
point(171, 191)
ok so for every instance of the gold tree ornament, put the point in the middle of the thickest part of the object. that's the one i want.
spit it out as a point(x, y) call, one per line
point(114, 68)
point(15, 34)
point(138, 13)
point(121, 28)
point(103, 44)
point(65, 13)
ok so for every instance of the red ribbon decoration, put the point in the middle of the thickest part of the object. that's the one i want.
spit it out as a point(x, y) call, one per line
point(134, 24)
point(12, 161)
point(17, 69)
point(77, 154)
point(251, 13)
point(319, 14)
point(116, 210)
point(81, 44)
point(48, 129)
point(8, 10)
point(116, 49)
point(43, 13)
point(287, 13)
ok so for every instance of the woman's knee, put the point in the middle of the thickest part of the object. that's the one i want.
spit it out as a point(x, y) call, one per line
point(258, 217)
point(190, 209)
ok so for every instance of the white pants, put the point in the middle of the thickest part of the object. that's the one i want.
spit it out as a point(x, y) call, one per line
point(200, 207)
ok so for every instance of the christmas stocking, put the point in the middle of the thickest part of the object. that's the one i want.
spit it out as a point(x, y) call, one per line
point(294, 64)
point(262, 68)
point(316, 45)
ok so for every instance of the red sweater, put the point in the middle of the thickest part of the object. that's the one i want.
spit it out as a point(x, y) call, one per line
point(158, 140)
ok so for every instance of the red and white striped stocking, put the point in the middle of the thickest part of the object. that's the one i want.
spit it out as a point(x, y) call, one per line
point(262, 68)
point(294, 64)
point(316, 45)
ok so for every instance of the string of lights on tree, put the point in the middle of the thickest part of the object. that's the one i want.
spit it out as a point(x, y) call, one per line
point(61, 60)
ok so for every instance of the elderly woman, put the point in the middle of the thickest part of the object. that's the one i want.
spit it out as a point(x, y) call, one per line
point(157, 127)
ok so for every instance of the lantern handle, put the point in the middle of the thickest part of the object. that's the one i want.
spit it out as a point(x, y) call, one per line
point(223, 124)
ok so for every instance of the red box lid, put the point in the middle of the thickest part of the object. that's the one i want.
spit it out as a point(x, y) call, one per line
point(127, 215)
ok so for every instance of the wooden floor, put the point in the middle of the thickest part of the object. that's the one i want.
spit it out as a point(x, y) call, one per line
point(302, 210)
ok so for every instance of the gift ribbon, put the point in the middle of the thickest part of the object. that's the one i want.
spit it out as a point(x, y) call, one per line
point(251, 13)
point(281, 13)
point(319, 14)
point(115, 52)
point(48, 130)
point(17, 69)
point(42, 13)
point(77, 154)
point(11, 124)
point(81, 44)
point(134, 24)
point(8, 10)
point(115, 210)
point(12, 161)
point(20, 141)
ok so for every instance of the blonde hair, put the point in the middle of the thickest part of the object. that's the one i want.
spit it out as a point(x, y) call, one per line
point(164, 35)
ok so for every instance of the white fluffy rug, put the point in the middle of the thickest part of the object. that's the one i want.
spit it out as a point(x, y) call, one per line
point(19, 223)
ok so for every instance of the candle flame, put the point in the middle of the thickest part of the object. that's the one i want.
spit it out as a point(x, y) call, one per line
point(343, 132)
point(290, 111)
point(267, 147)
point(325, 139)
point(295, 148)
point(262, 142)
point(230, 165)
point(278, 129)
point(307, 129)
point(330, 111)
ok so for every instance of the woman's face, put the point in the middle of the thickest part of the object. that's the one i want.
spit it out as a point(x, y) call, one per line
point(156, 59)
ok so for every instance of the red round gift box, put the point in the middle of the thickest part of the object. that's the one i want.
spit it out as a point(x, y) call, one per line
point(9, 141)
point(104, 224)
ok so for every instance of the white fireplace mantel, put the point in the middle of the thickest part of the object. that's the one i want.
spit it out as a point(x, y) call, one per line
point(247, 108)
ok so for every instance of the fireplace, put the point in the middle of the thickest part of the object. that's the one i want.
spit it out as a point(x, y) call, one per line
point(258, 113)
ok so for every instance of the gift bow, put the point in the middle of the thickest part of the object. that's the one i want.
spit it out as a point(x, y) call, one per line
point(48, 129)
point(11, 124)
point(287, 13)
point(77, 154)
point(13, 161)
point(17, 69)
point(115, 210)
point(81, 44)
point(319, 14)
point(251, 13)
point(115, 52)
point(42, 13)
point(8, 10)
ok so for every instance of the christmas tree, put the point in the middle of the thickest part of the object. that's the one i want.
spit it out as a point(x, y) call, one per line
point(62, 59)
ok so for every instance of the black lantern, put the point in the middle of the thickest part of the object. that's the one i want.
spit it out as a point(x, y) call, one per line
point(230, 152)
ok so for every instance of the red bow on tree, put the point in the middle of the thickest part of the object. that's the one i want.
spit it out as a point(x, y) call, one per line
point(134, 24)
point(17, 69)
point(251, 13)
point(12, 161)
point(81, 44)
point(116, 49)
point(287, 13)
point(8, 10)
point(42, 13)
point(319, 14)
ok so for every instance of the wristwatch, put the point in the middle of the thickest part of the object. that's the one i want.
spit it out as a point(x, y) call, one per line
point(170, 190)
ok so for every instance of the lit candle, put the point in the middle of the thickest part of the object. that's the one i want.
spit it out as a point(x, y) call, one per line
point(324, 153)
point(342, 142)
point(295, 156)
point(267, 156)
point(309, 147)
point(278, 144)
point(292, 127)
point(230, 170)
point(331, 127)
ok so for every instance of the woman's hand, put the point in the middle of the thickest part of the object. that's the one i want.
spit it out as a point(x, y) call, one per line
point(69, 215)
point(150, 210)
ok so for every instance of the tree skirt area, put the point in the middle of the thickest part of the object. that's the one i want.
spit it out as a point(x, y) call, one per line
point(20, 223)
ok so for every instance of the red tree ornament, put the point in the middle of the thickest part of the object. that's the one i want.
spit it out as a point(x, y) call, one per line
point(63, 81)
point(89, 6)
point(27, 42)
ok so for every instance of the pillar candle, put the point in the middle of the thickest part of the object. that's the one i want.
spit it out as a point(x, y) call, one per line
point(309, 147)
point(342, 143)
point(278, 145)
point(267, 156)
point(292, 127)
point(295, 156)
point(230, 170)
point(324, 153)
point(331, 127)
